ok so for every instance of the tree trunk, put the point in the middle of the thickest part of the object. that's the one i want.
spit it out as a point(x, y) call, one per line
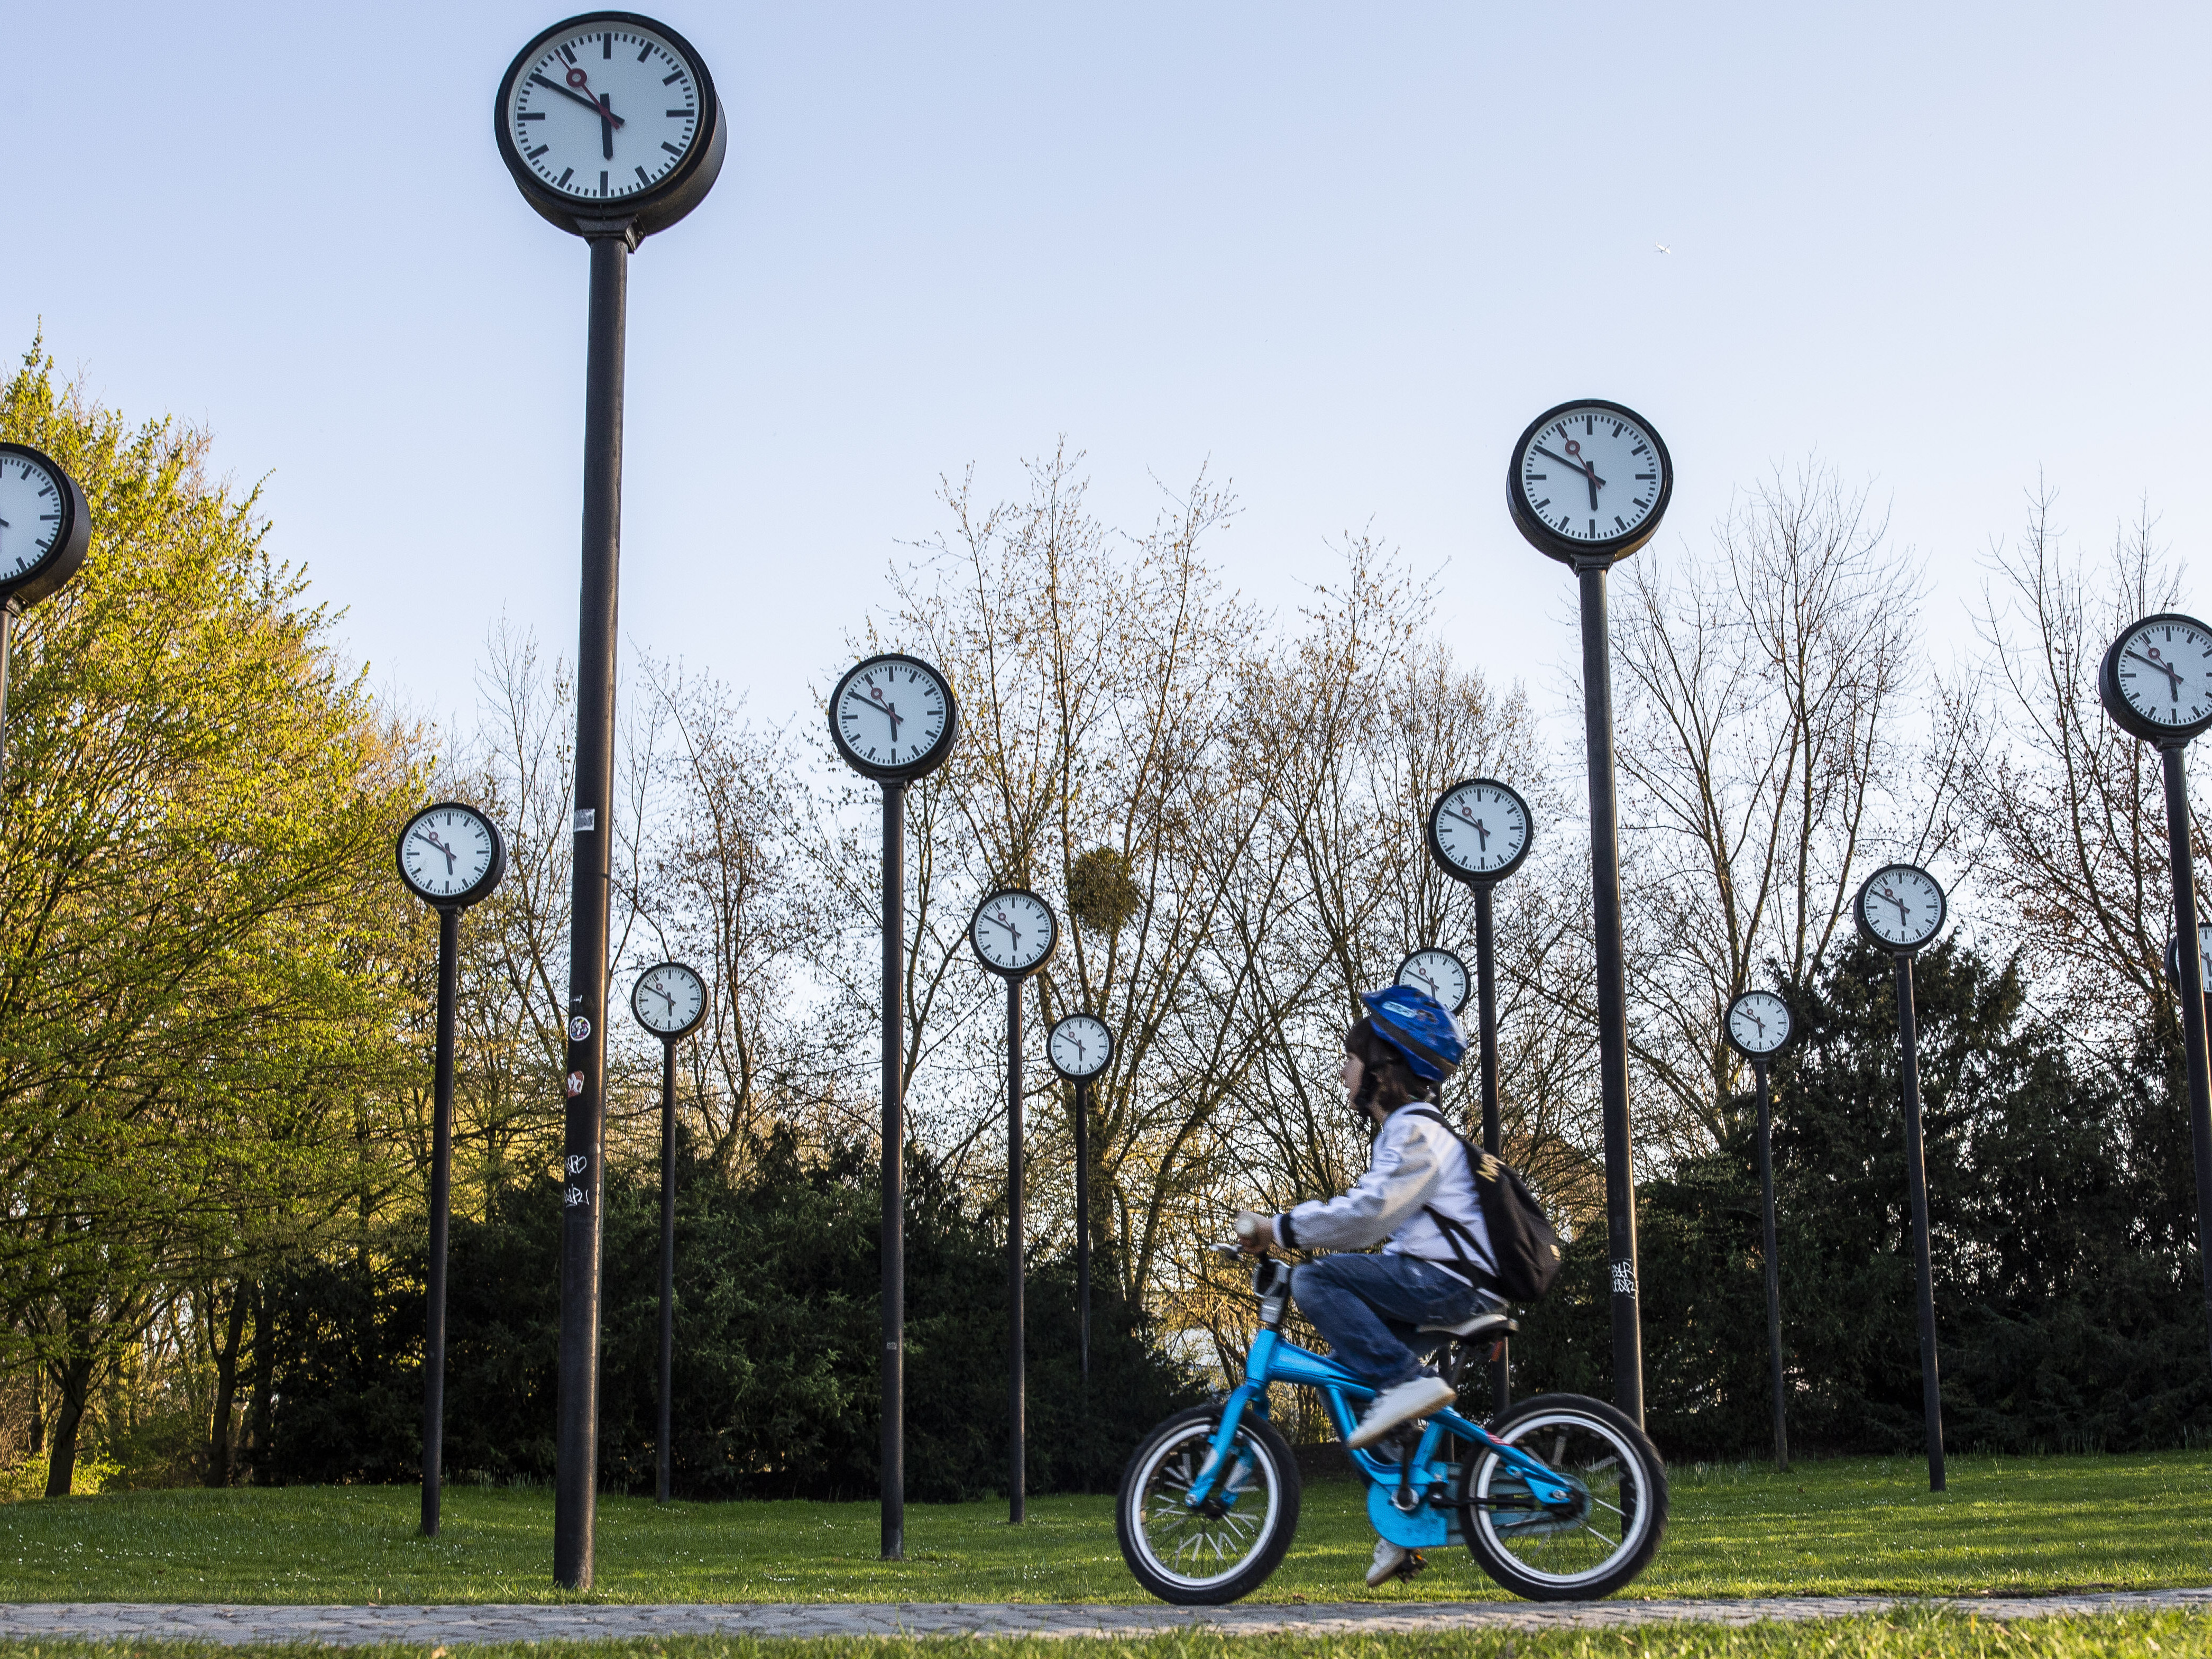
point(74, 1379)
point(226, 1389)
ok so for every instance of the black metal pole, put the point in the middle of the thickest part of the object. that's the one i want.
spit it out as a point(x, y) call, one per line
point(667, 1265)
point(1493, 1128)
point(1773, 1266)
point(441, 1198)
point(894, 1177)
point(1612, 993)
point(2195, 1048)
point(576, 1485)
point(1017, 1382)
point(1916, 1175)
point(1083, 1221)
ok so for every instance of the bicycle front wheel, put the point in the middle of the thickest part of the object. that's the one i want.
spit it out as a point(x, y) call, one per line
point(1226, 1547)
point(1587, 1548)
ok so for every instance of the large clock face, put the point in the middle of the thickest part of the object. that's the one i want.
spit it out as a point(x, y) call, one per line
point(603, 110)
point(669, 999)
point(1480, 829)
point(1080, 1046)
point(451, 855)
point(33, 508)
point(1439, 973)
point(2160, 671)
point(1901, 907)
point(1589, 476)
point(1013, 931)
point(891, 716)
point(1758, 1023)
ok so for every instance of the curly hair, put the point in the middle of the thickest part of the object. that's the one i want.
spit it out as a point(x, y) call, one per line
point(1387, 1081)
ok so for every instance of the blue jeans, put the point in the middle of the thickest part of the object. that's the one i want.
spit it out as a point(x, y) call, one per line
point(1367, 1307)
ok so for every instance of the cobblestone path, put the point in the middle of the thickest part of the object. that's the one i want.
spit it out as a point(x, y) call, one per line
point(525, 1622)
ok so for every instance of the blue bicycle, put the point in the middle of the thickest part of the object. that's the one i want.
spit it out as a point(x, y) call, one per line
point(1562, 1499)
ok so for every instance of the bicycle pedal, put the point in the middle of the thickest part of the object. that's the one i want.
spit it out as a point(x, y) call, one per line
point(1414, 1563)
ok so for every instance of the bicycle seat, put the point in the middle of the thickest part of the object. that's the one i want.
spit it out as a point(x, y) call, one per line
point(1481, 1325)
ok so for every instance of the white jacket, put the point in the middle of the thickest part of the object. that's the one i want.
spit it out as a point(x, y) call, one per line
point(1418, 1162)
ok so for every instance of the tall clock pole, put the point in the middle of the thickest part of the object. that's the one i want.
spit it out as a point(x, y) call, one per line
point(1083, 1222)
point(1773, 1266)
point(1588, 484)
point(608, 123)
point(1017, 1313)
point(450, 856)
point(893, 746)
point(2155, 682)
point(1493, 1128)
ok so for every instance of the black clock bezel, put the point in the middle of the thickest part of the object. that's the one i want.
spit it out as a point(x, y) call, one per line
point(2173, 956)
point(1608, 549)
point(931, 758)
point(1866, 927)
point(976, 915)
point(467, 896)
point(649, 210)
point(2123, 713)
point(1479, 878)
point(1466, 974)
point(1069, 1019)
point(684, 1031)
point(1728, 1022)
point(72, 536)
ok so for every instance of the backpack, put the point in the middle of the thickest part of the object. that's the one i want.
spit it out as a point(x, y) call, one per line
point(1522, 1241)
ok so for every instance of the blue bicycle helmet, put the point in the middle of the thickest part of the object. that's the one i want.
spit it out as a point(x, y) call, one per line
point(1418, 1027)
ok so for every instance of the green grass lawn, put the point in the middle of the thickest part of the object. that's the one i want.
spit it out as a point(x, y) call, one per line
point(1858, 1525)
point(1904, 1635)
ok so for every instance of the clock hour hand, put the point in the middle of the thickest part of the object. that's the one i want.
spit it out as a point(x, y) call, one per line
point(2172, 673)
point(589, 103)
point(607, 145)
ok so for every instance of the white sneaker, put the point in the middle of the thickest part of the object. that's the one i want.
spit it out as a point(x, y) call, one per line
point(1392, 1561)
point(1394, 1406)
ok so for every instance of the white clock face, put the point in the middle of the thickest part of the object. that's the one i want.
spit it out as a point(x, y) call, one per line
point(1081, 1046)
point(1481, 828)
point(668, 997)
point(1590, 475)
point(891, 713)
point(30, 514)
point(2165, 672)
point(1012, 932)
point(605, 113)
point(1439, 973)
point(446, 851)
point(1903, 906)
point(1760, 1022)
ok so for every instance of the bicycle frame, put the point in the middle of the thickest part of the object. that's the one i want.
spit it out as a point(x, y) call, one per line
point(1408, 1487)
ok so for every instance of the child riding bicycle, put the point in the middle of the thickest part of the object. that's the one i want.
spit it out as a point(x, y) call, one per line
point(1418, 1199)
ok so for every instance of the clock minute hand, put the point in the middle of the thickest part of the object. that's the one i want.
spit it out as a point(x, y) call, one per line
point(590, 104)
point(1583, 467)
point(2172, 673)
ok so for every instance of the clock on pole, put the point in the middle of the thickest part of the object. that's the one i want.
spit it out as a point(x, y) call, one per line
point(1900, 908)
point(1440, 974)
point(609, 125)
point(450, 856)
point(893, 719)
point(1081, 1047)
point(669, 999)
point(1757, 1026)
point(2155, 682)
point(1588, 484)
point(1013, 934)
point(1479, 831)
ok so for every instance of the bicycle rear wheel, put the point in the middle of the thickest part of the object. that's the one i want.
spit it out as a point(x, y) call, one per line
point(1226, 1547)
point(1589, 1547)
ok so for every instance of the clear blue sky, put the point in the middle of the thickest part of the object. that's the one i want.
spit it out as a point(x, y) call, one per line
point(1345, 251)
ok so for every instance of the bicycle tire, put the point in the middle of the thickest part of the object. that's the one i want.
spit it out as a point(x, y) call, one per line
point(1148, 1511)
point(1547, 1557)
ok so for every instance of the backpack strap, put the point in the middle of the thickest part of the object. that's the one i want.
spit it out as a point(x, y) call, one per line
point(1454, 1231)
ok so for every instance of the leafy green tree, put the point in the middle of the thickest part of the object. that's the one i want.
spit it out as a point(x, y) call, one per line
point(199, 934)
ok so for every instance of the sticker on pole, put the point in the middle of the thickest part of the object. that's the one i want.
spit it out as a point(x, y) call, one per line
point(576, 1084)
point(1624, 1279)
point(579, 1029)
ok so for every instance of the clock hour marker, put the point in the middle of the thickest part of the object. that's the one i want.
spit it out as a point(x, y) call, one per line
point(670, 80)
point(569, 53)
point(531, 115)
point(540, 150)
point(566, 173)
point(644, 52)
point(603, 184)
point(669, 147)
point(641, 178)
point(679, 115)
point(607, 45)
